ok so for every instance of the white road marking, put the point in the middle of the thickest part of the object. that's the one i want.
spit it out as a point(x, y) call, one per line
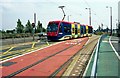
point(114, 41)
point(104, 41)
point(114, 49)
point(76, 71)
point(30, 52)
point(73, 74)
point(78, 67)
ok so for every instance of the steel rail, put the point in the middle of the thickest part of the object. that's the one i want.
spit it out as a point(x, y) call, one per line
point(53, 75)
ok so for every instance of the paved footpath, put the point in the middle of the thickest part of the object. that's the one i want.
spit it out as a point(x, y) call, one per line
point(114, 40)
point(108, 63)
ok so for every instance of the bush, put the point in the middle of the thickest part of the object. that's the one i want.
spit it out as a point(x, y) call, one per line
point(98, 33)
point(16, 35)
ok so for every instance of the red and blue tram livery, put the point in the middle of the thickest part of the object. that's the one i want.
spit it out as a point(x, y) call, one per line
point(61, 30)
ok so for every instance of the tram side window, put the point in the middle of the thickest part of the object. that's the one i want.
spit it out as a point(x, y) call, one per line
point(60, 30)
point(66, 29)
point(78, 30)
point(81, 30)
point(75, 30)
point(90, 30)
point(84, 29)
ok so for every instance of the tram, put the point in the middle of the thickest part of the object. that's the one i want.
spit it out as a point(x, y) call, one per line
point(62, 30)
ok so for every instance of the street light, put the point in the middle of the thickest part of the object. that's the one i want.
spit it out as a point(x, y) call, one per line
point(34, 24)
point(110, 19)
point(62, 11)
point(89, 15)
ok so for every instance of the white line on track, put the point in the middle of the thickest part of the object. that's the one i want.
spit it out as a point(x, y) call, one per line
point(114, 48)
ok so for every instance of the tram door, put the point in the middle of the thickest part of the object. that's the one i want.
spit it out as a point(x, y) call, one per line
point(86, 30)
point(73, 30)
point(78, 30)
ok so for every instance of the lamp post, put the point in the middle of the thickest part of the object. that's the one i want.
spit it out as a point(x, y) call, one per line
point(110, 19)
point(62, 11)
point(33, 24)
point(89, 15)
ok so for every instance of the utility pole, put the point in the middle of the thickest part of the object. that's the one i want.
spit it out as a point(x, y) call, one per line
point(69, 18)
point(110, 19)
point(35, 18)
point(89, 15)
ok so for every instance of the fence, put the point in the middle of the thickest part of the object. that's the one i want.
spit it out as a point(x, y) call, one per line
point(18, 40)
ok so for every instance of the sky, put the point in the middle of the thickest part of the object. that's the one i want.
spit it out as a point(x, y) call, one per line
point(47, 10)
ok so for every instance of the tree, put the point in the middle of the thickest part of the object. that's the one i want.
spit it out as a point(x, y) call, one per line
point(44, 30)
point(2, 31)
point(28, 28)
point(39, 27)
point(107, 29)
point(99, 28)
point(10, 31)
point(20, 27)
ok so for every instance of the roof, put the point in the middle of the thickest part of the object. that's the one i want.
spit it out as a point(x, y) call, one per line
point(63, 21)
point(69, 22)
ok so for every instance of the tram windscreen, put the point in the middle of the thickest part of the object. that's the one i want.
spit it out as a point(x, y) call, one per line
point(52, 27)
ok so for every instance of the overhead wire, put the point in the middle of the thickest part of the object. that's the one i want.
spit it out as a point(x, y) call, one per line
point(65, 7)
point(68, 10)
point(76, 13)
point(86, 3)
point(93, 12)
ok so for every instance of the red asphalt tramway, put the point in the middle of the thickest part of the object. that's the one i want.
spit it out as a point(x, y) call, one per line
point(44, 62)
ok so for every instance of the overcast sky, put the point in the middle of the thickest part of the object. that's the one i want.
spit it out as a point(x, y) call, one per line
point(47, 10)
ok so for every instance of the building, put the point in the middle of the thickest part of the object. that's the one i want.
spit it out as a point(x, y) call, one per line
point(118, 29)
point(119, 11)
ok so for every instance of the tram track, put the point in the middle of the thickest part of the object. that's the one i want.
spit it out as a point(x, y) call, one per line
point(78, 56)
point(83, 58)
point(39, 61)
point(86, 56)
